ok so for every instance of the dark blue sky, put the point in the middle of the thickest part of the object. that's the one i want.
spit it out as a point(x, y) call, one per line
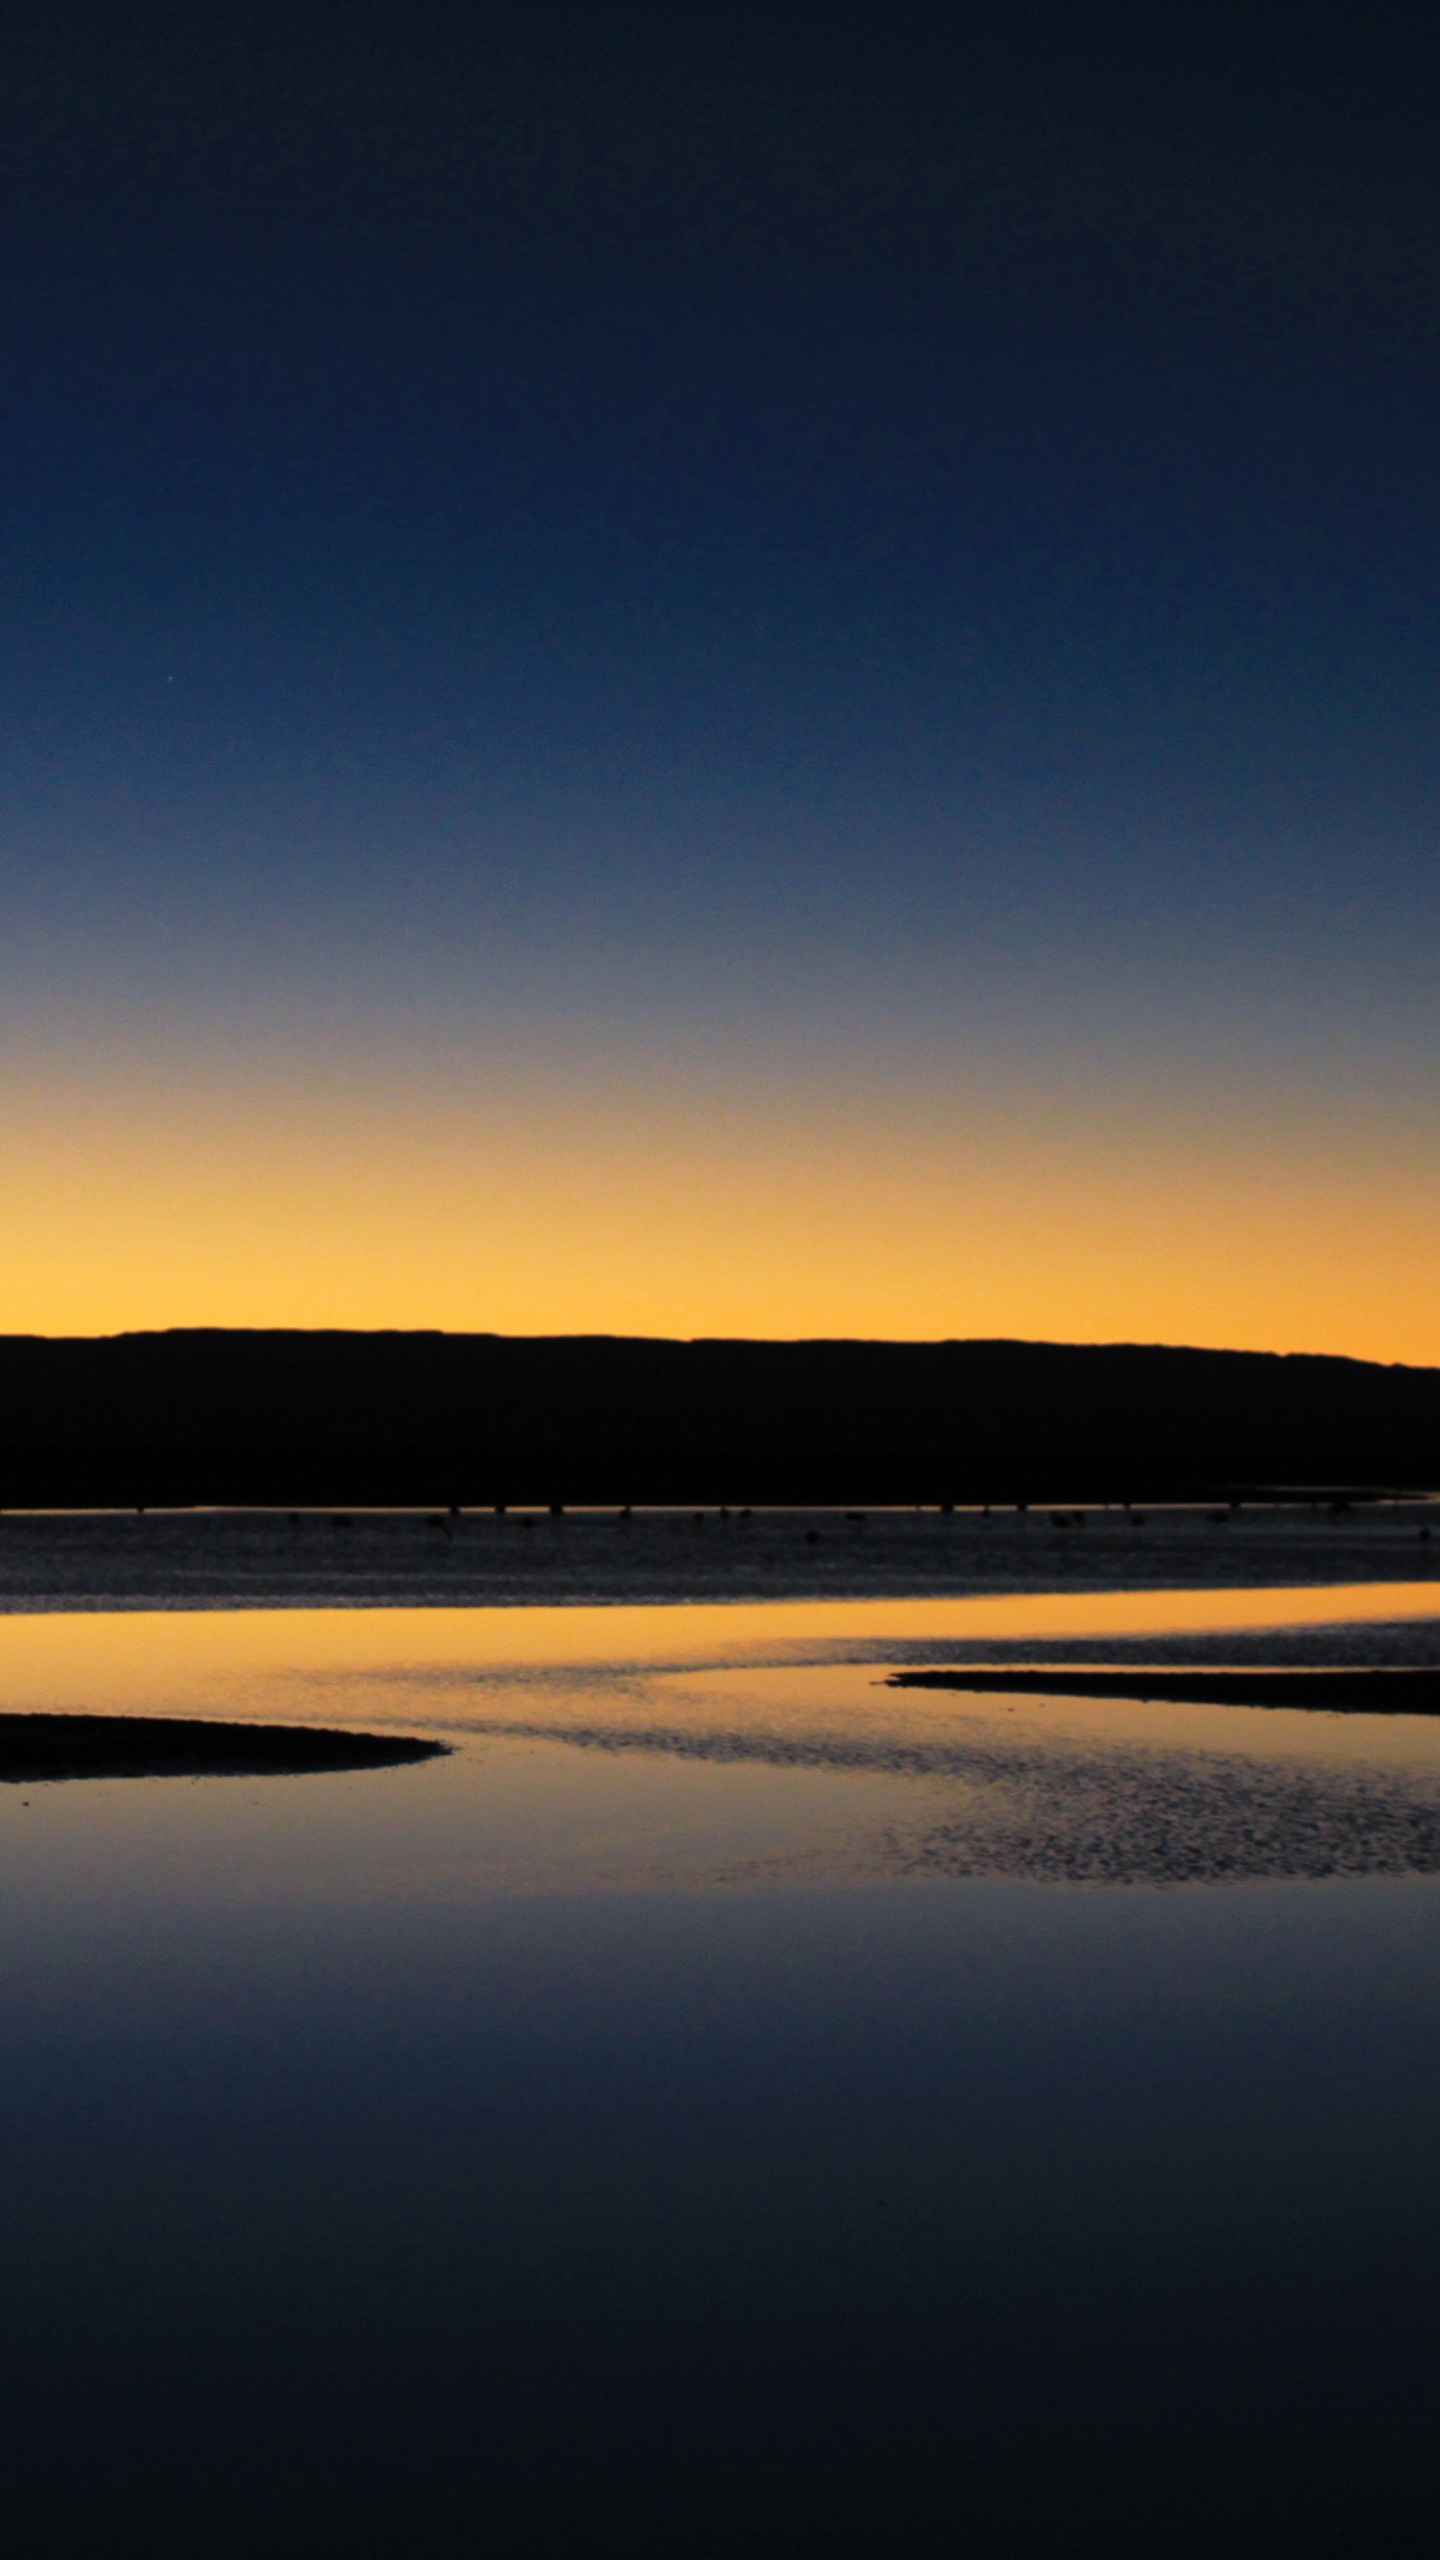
point(722, 538)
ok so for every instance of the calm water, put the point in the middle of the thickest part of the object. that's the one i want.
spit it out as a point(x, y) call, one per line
point(727, 2106)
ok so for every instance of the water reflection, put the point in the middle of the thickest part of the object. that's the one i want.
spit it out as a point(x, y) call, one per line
point(637, 1748)
point(697, 2115)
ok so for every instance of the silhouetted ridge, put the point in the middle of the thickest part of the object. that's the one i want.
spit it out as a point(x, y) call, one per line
point(478, 1418)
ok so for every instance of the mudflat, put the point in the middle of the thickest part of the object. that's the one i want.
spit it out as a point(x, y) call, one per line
point(440, 1559)
point(38, 1748)
point(1399, 1691)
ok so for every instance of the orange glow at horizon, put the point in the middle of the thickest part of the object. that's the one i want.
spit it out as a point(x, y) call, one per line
point(555, 1212)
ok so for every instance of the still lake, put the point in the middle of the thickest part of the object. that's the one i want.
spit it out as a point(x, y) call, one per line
point(727, 2105)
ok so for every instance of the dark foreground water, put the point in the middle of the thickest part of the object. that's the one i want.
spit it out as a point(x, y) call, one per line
point(727, 2106)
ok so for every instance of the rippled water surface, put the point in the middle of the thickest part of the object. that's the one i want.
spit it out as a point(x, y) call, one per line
point(727, 2104)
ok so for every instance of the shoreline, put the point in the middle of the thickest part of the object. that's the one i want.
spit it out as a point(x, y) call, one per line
point(39, 1748)
point(1412, 1690)
point(158, 1560)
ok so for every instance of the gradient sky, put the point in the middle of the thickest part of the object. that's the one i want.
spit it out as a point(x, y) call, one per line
point(759, 672)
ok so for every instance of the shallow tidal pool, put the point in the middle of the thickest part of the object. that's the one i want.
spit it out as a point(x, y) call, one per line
point(727, 2104)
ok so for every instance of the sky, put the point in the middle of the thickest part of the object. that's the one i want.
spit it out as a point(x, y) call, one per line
point(765, 671)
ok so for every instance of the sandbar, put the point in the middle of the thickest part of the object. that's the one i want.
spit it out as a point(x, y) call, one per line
point(1350, 1692)
point(35, 1749)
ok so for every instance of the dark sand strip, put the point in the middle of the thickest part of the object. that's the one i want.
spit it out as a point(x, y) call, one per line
point(36, 1748)
point(1393, 1692)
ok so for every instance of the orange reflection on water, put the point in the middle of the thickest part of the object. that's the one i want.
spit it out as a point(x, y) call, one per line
point(220, 1660)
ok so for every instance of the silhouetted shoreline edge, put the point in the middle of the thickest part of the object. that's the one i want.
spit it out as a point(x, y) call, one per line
point(1398, 1691)
point(37, 1749)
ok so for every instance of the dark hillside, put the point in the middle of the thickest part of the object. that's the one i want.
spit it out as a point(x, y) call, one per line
point(480, 1418)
